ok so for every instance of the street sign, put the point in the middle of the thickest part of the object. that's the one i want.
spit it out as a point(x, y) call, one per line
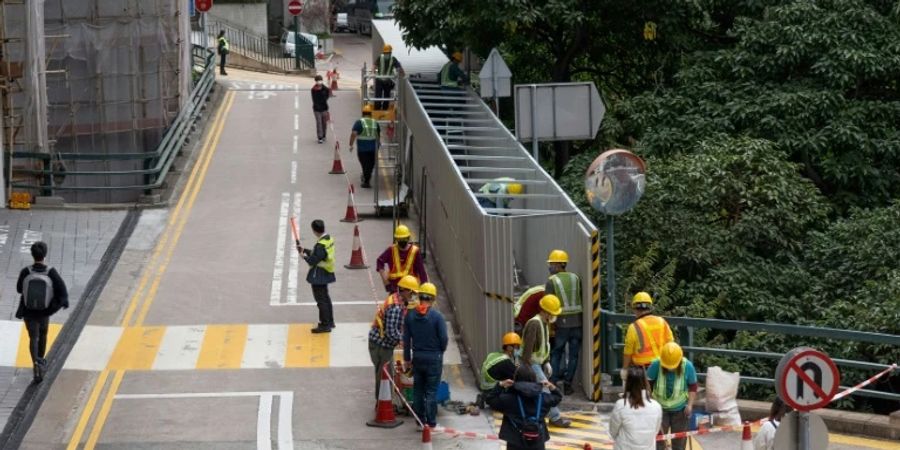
point(806, 379)
point(495, 74)
point(295, 7)
point(558, 111)
point(787, 435)
point(203, 5)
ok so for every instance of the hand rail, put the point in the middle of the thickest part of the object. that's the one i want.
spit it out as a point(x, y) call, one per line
point(258, 47)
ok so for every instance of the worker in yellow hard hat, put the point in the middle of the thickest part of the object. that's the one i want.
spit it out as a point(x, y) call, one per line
point(387, 327)
point(646, 336)
point(424, 343)
point(499, 192)
point(498, 366)
point(386, 69)
point(673, 380)
point(536, 348)
point(367, 131)
point(452, 76)
point(400, 259)
point(569, 331)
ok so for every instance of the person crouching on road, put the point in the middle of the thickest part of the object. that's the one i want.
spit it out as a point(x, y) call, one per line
point(368, 132)
point(674, 382)
point(635, 419)
point(424, 344)
point(43, 294)
point(387, 328)
point(536, 348)
point(524, 403)
point(499, 365)
point(321, 274)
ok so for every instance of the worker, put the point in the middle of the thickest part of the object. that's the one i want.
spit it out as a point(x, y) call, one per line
point(646, 336)
point(424, 344)
point(223, 49)
point(499, 186)
point(321, 273)
point(524, 401)
point(452, 77)
point(500, 365)
point(400, 259)
point(387, 328)
point(673, 381)
point(368, 132)
point(566, 286)
point(386, 68)
point(527, 306)
point(536, 347)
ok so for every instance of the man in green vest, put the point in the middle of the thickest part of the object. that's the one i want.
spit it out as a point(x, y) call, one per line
point(673, 381)
point(536, 348)
point(321, 274)
point(368, 132)
point(499, 186)
point(452, 77)
point(566, 286)
point(223, 49)
point(499, 366)
point(386, 68)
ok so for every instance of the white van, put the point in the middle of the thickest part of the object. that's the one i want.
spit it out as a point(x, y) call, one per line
point(287, 43)
point(341, 23)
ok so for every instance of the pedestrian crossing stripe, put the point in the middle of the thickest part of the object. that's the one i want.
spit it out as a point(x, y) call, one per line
point(586, 429)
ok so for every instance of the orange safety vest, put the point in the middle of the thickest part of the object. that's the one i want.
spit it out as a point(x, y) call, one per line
point(399, 270)
point(393, 299)
point(652, 332)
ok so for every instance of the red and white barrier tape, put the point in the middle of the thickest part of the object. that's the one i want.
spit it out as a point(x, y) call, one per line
point(684, 434)
point(859, 386)
point(402, 397)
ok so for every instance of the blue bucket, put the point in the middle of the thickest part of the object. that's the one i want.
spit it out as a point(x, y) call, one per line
point(443, 393)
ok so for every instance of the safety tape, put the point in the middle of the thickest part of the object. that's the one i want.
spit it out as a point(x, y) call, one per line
point(400, 394)
point(684, 434)
point(859, 386)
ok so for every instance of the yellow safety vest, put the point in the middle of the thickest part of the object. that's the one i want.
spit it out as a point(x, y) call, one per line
point(399, 270)
point(651, 333)
point(393, 299)
point(543, 351)
point(385, 64)
point(568, 288)
point(369, 129)
point(327, 263)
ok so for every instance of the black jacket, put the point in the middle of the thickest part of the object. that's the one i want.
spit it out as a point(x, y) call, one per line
point(60, 294)
point(320, 95)
point(317, 275)
point(505, 401)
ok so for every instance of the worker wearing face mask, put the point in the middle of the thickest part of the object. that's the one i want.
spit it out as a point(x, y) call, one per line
point(400, 259)
point(536, 347)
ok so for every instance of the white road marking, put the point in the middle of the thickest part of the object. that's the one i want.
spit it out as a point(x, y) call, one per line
point(266, 346)
point(264, 423)
point(93, 348)
point(180, 348)
point(295, 144)
point(4, 234)
point(296, 122)
point(350, 303)
point(29, 238)
point(296, 102)
point(278, 270)
point(10, 331)
point(294, 266)
point(348, 344)
point(293, 172)
point(285, 421)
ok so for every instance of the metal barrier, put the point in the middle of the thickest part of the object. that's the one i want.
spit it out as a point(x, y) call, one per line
point(258, 47)
point(156, 164)
point(614, 346)
point(487, 256)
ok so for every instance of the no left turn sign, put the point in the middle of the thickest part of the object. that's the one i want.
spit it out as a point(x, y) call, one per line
point(807, 379)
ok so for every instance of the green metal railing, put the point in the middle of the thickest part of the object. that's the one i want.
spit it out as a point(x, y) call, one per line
point(257, 47)
point(156, 164)
point(612, 345)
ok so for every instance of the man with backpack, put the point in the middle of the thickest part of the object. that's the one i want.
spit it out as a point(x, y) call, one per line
point(43, 294)
point(525, 405)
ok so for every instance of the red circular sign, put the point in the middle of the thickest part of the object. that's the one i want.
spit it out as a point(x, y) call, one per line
point(807, 379)
point(203, 5)
point(295, 7)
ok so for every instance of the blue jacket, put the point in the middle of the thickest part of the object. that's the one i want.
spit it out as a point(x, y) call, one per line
point(428, 334)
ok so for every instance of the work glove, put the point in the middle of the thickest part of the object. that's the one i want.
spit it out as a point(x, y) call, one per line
point(548, 370)
point(624, 374)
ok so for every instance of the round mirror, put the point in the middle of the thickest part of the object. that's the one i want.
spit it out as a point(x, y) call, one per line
point(615, 181)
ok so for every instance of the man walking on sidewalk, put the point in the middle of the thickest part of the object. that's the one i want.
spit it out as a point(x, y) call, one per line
point(43, 294)
point(387, 328)
point(321, 274)
point(368, 132)
point(424, 344)
point(320, 95)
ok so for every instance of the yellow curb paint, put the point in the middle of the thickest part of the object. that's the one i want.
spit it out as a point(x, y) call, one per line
point(89, 406)
point(222, 347)
point(305, 349)
point(863, 442)
point(23, 354)
point(137, 348)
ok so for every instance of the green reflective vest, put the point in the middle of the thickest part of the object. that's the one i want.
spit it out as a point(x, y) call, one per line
point(385, 64)
point(540, 355)
point(568, 288)
point(445, 76)
point(679, 391)
point(223, 43)
point(497, 186)
point(493, 358)
point(369, 129)
point(328, 263)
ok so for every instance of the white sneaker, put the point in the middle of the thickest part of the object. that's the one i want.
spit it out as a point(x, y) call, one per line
point(437, 428)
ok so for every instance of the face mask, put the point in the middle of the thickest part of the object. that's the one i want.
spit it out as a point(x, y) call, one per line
point(552, 319)
point(320, 82)
point(402, 243)
point(422, 308)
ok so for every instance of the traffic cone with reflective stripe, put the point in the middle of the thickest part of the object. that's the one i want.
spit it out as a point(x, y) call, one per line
point(384, 409)
point(356, 256)
point(351, 215)
point(426, 438)
point(747, 438)
point(334, 77)
point(337, 166)
point(587, 446)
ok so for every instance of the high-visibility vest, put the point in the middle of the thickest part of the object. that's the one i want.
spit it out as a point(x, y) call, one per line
point(543, 351)
point(651, 333)
point(224, 43)
point(328, 263)
point(398, 269)
point(385, 64)
point(393, 299)
point(494, 358)
point(567, 286)
point(679, 390)
point(445, 76)
point(369, 129)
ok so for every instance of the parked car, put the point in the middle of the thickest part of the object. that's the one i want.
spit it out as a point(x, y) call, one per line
point(362, 12)
point(287, 42)
point(341, 22)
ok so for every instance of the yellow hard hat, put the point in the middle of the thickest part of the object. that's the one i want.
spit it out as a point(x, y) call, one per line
point(515, 188)
point(511, 339)
point(409, 282)
point(402, 232)
point(457, 56)
point(641, 298)
point(428, 289)
point(558, 256)
point(550, 303)
point(387, 48)
point(670, 356)
point(367, 109)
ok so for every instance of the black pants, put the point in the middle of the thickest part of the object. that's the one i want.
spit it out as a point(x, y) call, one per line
point(37, 335)
point(323, 301)
point(222, 63)
point(673, 422)
point(367, 161)
point(383, 89)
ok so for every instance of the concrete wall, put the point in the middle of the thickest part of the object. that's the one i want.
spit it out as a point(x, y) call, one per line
point(252, 16)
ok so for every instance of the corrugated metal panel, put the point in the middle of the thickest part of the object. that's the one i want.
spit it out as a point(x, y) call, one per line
point(425, 61)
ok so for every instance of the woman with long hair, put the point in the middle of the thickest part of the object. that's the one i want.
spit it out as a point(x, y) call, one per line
point(765, 438)
point(636, 418)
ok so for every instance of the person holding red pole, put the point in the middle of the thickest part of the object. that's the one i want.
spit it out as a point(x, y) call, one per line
point(321, 273)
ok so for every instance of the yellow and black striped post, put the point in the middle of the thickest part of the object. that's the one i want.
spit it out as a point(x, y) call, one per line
point(595, 311)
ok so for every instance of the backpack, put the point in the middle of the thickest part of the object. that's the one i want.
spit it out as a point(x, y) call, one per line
point(37, 289)
point(531, 426)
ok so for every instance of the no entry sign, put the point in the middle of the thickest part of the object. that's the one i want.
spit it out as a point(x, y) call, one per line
point(203, 5)
point(807, 379)
point(295, 7)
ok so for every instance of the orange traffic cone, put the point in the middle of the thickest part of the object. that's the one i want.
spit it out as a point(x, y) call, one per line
point(587, 446)
point(426, 438)
point(351, 215)
point(334, 77)
point(356, 257)
point(337, 167)
point(384, 409)
point(747, 438)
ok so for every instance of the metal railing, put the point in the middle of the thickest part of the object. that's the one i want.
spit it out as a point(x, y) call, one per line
point(258, 47)
point(613, 346)
point(156, 164)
